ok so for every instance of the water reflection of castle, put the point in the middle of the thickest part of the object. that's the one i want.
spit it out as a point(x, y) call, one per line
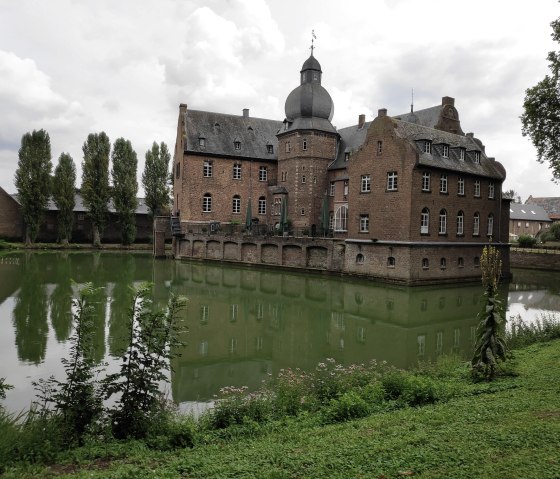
point(245, 324)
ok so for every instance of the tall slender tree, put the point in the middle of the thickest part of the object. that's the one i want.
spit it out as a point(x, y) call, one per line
point(64, 188)
point(95, 181)
point(155, 178)
point(125, 188)
point(32, 180)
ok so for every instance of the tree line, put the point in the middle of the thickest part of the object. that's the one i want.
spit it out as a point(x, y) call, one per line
point(36, 184)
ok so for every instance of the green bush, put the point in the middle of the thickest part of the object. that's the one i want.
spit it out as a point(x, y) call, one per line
point(235, 406)
point(526, 241)
point(348, 406)
point(521, 333)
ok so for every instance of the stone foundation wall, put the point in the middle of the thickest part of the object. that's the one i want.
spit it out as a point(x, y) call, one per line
point(535, 260)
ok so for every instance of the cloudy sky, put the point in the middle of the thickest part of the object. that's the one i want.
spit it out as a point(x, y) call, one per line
point(76, 67)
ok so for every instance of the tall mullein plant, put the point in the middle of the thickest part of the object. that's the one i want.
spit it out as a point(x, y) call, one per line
point(490, 346)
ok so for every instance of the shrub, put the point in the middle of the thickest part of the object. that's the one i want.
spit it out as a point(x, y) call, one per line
point(526, 241)
point(521, 333)
point(235, 406)
point(349, 405)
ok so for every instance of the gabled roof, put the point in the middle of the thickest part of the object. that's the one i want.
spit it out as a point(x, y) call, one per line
point(221, 130)
point(351, 138)
point(427, 117)
point(527, 213)
point(550, 204)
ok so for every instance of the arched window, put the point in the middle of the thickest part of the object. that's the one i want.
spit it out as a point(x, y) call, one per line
point(341, 219)
point(461, 262)
point(425, 263)
point(262, 205)
point(236, 207)
point(391, 261)
point(490, 227)
point(476, 261)
point(207, 203)
point(476, 224)
point(460, 223)
point(442, 222)
point(425, 221)
point(443, 263)
point(360, 258)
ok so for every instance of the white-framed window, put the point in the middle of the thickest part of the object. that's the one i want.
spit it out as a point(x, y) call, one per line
point(445, 151)
point(260, 311)
point(443, 184)
point(460, 223)
point(379, 147)
point(304, 144)
point(331, 220)
point(234, 312)
point(207, 169)
point(461, 186)
point(462, 154)
point(341, 219)
point(203, 348)
point(392, 181)
point(427, 146)
point(365, 184)
point(426, 181)
point(303, 180)
point(364, 223)
point(345, 191)
point(490, 225)
point(263, 173)
point(477, 188)
point(331, 188)
point(284, 176)
point(237, 171)
point(270, 149)
point(477, 157)
point(204, 313)
point(491, 190)
point(237, 145)
point(442, 222)
point(262, 205)
point(425, 221)
point(476, 224)
point(202, 142)
point(236, 205)
point(232, 345)
point(277, 206)
point(207, 203)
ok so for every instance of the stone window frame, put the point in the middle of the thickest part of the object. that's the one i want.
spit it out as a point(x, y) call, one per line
point(392, 181)
point(364, 223)
point(425, 263)
point(236, 205)
point(476, 224)
point(491, 190)
point(477, 188)
point(237, 171)
point(207, 169)
point(207, 203)
point(443, 183)
point(263, 173)
point(460, 223)
point(425, 221)
point(442, 222)
point(391, 262)
point(490, 225)
point(360, 258)
point(461, 186)
point(426, 181)
point(365, 184)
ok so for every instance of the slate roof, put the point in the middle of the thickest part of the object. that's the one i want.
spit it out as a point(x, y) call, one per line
point(220, 132)
point(427, 117)
point(550, 204)
point(351, 138)
point(528, 213)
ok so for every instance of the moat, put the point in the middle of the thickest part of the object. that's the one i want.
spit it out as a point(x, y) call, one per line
point(244, 324)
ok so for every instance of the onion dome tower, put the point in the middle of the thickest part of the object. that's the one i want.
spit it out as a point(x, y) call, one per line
point(307, 144)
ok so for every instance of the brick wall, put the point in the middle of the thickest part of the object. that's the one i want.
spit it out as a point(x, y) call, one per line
point(546, 261)
point(11, 223)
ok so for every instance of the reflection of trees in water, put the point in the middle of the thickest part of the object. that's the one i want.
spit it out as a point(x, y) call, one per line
point(120, 303)
point(61, 299)
point(30, 313)
point(99, 300)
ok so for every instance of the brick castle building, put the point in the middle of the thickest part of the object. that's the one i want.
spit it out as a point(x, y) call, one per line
point(408, 198)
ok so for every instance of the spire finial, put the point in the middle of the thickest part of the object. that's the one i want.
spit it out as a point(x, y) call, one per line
point(313, 37)
point(412, 102)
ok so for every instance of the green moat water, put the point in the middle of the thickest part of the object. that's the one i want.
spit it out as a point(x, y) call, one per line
point(243, 324)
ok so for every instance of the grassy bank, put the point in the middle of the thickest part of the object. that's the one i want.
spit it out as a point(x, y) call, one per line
point(509, 428)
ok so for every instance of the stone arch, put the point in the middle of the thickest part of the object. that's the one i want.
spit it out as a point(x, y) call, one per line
point(269, 253)
point(317, 257)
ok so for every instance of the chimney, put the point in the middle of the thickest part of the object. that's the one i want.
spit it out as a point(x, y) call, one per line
point(381, 112)
point(470, 135)
point(182, 107)
point(245, 112)
point(361, 121)
point(447, 100)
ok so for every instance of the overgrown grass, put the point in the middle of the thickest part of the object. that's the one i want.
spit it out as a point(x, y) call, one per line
point(522, 333)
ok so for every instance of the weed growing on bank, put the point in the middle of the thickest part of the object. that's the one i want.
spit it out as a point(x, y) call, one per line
point(522, 333)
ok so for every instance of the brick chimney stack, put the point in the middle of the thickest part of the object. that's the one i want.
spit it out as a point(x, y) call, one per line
point(361, 121)
point(447, 100)
point(245, 112)
point(382, 112)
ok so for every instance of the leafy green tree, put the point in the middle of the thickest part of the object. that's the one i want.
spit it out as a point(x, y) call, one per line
point(125, 188)
point(32, 180)
point(155, 178)
point(541, 117)
point(513, 195)
point(64, 187)
point(95, 181)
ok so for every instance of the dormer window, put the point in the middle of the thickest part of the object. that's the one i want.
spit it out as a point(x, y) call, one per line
point(477, 157)
point(237, 145)
point(202, 142)
point(445, 151)
point(270, 149)
point(427, 146)
point(462, 154)
point(346, 156)
point(315, 76)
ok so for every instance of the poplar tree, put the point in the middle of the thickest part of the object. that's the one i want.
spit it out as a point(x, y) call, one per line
point(155, 178)
point(64, 187)
point(32, 180)
point(125, 188)
point(95, 181)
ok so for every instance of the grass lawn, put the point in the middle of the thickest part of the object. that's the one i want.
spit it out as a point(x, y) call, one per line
point(509, 428)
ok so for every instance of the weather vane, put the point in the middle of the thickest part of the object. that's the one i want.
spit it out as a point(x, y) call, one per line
point(313, 37)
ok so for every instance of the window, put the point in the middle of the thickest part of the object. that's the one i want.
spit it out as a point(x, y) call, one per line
point(237, 171)
point(490, 225)
point(277, 206)
point(302, 212)
point(237, 145)
point(304, 144)
point(345, 192)
point(460, 223)
point(204, 313)
point(207, 169)
point(331, 220)
point(392, 181)
point(445, 151)
point(270, 149)
point(477, 188)
point(331, 188)
point(234, 312)
point(379, 147)
point(426, 181)
point(207, 203)
point(360, 258)
point(443, 184)
point(262, 205)
point(236, 204)
point(232, 345)
point(427, 146)
point(476, 262)
point(260, 311)
point(341, 218)
point(443, 263)
point(287, 146)
point(364, 223)
point(462, 154)
point(202, 142)
point(346, 156)
point(461, 186)
point(203, 348)
point(477, 157)
point(391, 262)
point(284, 176)
point(263, 173)
point(476, 224)
point(425, 221)
point(177, 170)
point(366, 184)
point(491, 189)
point(442, 222)
point(303, 178)
point(461, 262)
point(425, 263)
